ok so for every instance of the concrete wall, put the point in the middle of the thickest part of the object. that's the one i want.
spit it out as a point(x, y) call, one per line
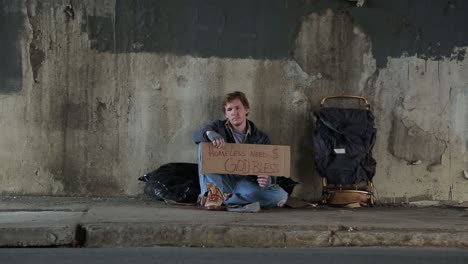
point(95, 93)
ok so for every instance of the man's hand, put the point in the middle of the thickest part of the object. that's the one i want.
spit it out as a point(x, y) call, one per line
point(263, 180)
point(217, 139)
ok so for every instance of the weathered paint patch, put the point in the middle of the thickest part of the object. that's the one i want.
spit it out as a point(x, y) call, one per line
point(459, 114)
point(262, 29)
point(414, 144)
point(425, 28)
point(226, 29)
point(11, 28)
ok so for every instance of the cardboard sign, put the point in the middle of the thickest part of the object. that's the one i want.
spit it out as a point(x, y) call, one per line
point(246, 159)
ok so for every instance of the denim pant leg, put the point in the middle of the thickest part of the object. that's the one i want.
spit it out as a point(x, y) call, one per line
point(225, 182)
point(242, 188)
point(248, 191)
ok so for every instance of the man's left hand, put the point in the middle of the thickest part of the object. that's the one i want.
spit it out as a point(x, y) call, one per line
point(263, 180)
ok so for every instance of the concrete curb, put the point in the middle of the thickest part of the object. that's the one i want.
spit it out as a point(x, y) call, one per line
point(155, 234)
point(45, 236)
point(38, 228)
point(151, 234)
point(80, 222)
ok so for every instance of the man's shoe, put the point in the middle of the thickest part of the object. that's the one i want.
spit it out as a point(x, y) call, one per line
point(214, 198)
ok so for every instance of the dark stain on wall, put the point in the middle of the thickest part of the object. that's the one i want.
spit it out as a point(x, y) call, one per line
point(101, 33)
point(221, 28)
point(36, 56)
point(425, 28)
point(11, 28)
point(267, 29)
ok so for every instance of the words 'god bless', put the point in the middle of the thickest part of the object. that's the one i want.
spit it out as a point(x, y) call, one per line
point(246, 159)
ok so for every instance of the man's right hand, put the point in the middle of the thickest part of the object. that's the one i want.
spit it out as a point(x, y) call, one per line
point(217, 139)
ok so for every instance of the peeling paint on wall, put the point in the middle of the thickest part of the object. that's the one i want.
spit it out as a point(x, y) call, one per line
point(413, 144)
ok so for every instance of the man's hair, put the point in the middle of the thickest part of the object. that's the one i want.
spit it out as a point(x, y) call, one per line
point(233, 96)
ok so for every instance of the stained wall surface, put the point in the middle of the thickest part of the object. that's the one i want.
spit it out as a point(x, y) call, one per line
point(94, 94)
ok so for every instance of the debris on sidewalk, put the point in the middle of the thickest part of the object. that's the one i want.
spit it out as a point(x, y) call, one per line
point(294, 202)
point(462, 204)
point(425, 203)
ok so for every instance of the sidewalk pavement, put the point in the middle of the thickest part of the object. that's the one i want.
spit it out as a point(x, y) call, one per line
point(140, 222)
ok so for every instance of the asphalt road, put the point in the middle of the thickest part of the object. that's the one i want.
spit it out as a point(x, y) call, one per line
point(231, 255)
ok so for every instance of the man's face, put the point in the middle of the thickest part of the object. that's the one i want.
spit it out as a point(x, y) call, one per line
point(236, 112)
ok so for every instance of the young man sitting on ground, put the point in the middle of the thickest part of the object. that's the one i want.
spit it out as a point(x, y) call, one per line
point(243, 190)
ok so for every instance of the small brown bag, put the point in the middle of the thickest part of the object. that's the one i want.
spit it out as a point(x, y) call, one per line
point(350, 198)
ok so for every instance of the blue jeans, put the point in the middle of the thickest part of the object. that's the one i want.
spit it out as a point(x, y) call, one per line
point(244, 189)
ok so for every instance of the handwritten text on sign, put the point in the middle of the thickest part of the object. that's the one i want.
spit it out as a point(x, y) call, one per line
point(246, 159)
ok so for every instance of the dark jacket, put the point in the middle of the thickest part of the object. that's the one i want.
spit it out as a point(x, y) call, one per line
point(256, 136)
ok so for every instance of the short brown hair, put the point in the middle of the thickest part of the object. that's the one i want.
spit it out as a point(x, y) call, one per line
point(233, 96)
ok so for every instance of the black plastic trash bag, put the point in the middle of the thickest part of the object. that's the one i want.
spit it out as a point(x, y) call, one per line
point(175, 182)
point(287, 184)
point(343, 142)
